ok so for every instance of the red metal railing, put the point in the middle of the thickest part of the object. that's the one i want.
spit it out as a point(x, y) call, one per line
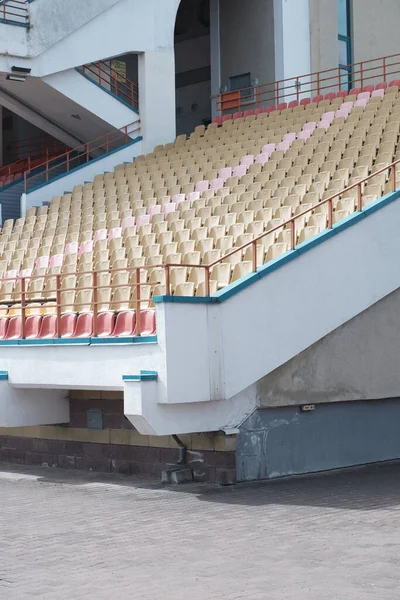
point(16, 169)
point(15, 11)
point(103, 73)
point(35, 146)
point(81, 155)
point(25, 298)
point(358, 74)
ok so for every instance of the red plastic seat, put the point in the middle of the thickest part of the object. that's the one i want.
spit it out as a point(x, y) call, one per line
point(317, 98)
point(237, 115)
point(147, 322)
point(32, 327)
point(282, 106)
point(105, 324)
point(259, 111)
point(381, 86)
point(330, 96)
point(68, 324)
point(355, 91)
point(217, 120)
point(3, 327)
point(48, 327)
point(125, 324)
point(341, 94)
point(227, 118)
point(270, 109)
point(14, 330)
point(368, 88)
point(395, 82)
point(305, 101)
point(84, 325)
point(293, 104)
point(248, 113)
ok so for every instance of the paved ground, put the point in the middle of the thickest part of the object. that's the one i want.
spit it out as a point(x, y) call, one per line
point(66, 536)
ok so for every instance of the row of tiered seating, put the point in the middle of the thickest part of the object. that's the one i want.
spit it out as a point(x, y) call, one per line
point(191, 203)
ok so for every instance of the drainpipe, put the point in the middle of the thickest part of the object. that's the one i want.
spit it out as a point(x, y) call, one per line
point(182, 450)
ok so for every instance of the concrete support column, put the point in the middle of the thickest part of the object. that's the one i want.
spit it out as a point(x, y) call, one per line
point(292, 39)
point(157, 98)
point(215, 52)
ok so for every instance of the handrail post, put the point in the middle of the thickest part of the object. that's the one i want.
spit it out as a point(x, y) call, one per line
point(95, 304)
point(58, 304)
point(254, 256)
point(359, 197)
point(293, 234)
point(361, 76)
point(47, 170)
point(207, 286)
point(318, 84)
point(384, 69)
point(167, 280)
point(330, 213)
point(138, 308)
point(23, 307)
point(393, 177)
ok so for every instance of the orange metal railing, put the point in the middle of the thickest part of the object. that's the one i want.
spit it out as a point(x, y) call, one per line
point(358, 74)
point(15, 11)
point(81, 155)
point(35, 146)
point(105, 75)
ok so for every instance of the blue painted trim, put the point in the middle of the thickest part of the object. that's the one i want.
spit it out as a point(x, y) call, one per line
point(106, 90)
point(232, 289)
point(122, 341)
point(15, 23)
point(144, 376)
point(3, 375)
point(92, 161)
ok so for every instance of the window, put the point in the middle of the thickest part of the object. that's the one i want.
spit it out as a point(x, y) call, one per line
point(243, 83)
point(344, 35)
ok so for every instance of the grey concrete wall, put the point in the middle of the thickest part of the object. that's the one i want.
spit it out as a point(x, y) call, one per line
point(375, 28)
point(285, 441)
point(359, 360)
point(247, 39)
point(324, 35)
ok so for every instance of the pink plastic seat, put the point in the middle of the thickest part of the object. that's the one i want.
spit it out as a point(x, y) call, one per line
point(227, 118)
point(116, 232)
point(42, 262)
point(216, 184)
point(282, 106)
point(68, 323)
point(217, 120)
point(368, 88)
point(283, 146)
point(354, 91)
point(237, 115)
point(32, 326)
point(346, 106)
point(225, 173)
point(293, 104)
point(178, 198)
point(125, 324)
point(362, 102)
point(48, 327)
point(364, 96)
point(141, 220)
point(324, 124)
point(330, 96)
point(84, 325)
point(192, 196)
point(127, 222)
point(71, 248)
point(378, 93)
point(105, 324)
point(268, 149)
point(14, 330)
point(328, 116)
point(169, 208)
point(317, 98)
point(100, 234)
point(239, 171)
point(248, 113)
point(11, 274)
point(155, 210)
point(3, 327)
point(147, 322)
point(202, 186)
point(304, 135)
point(305, 101)
point(289, 137)
point(85, 247)
point(261, 158)
point(309, 126)
point(55, 261)
point(247, 160)
point(259, 111)
point(341, 94)
point(381, 86)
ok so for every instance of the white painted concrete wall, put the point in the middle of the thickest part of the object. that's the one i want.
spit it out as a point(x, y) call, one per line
point(20, 408)
point(85, 173)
